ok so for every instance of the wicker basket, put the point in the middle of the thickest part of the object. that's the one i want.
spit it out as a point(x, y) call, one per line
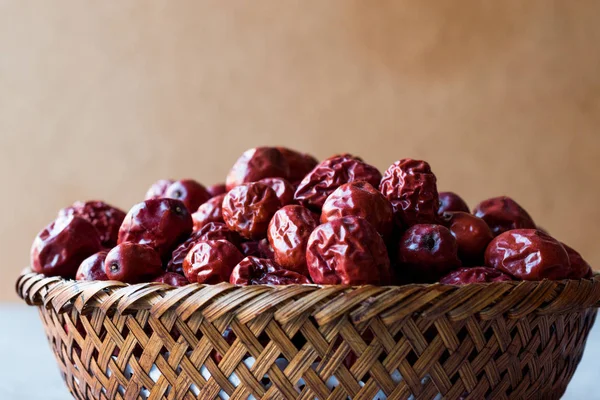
point(506, 340)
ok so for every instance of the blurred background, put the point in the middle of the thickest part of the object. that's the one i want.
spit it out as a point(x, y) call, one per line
point(100, 99)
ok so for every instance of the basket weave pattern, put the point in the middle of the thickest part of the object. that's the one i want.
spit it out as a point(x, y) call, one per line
point(506, 340)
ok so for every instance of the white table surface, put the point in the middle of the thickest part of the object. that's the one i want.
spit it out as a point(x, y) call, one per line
point(28, 370)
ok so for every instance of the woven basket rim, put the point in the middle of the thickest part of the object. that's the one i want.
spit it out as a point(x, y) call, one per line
point(515, 299)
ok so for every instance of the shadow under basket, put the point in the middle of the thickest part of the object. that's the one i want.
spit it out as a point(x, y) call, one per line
point(504, 340)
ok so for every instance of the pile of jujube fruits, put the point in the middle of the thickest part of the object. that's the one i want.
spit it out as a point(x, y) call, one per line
point(282, 217)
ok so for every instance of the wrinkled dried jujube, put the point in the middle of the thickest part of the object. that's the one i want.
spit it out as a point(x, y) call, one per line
point(472, 236)
point(283, 189)
point(288, 235)
point(92, 268)
point(211, 261)
point(216, 189)
point(251, 248)
point(216, 231)
point(189, 192)
point(175, 264)
point(248, 208)
point(464, 276)
point(360, 199)
point(172, 279)
point(299, 164)
point(451, 202)
point(158, 189)
point(330, 174)
point(211, 211)
point(281, 277)
point(160, 223)
point(59, 249)
point(411, 187)
point(256, 164)
point(257, 248)
point(347, 251)
point(265, 249)
point(528, 254)
point(503, 214)
point(105, 218)
point(132, 263)
point(210, 231)
point(579, 267)
point(250, 269)
point(426, 252)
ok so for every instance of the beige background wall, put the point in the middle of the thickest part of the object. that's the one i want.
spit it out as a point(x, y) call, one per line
point(98, 99)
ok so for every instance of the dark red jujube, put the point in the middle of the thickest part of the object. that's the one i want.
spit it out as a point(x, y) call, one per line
point(251, 248)
point(211, 261)
point(216, 189)
point(250, 269)
point(426, 252)
point(158, 189)
point(472, 236)
point(172, 279)
point(256, 164)
point(92, 268)
point(283, 189)
point(411, 187)
point(281, 277)
point(288, 235)
point(248, 208)
point(211, 211)
point(330, 174)
point(210, 231)
point(464, 276)
point(265, 250)
point(175, 264)
point(59, 249)
point(216, 231)
point(451, 202)
point(132, 263)
point(528, 254)
point(300, 164)
point(189, 192)
point(347, 251)
point(105, 218)
point(503, 214)
point(257, 248)
point(160, 223)
point(579, 267)
point(360, 199)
